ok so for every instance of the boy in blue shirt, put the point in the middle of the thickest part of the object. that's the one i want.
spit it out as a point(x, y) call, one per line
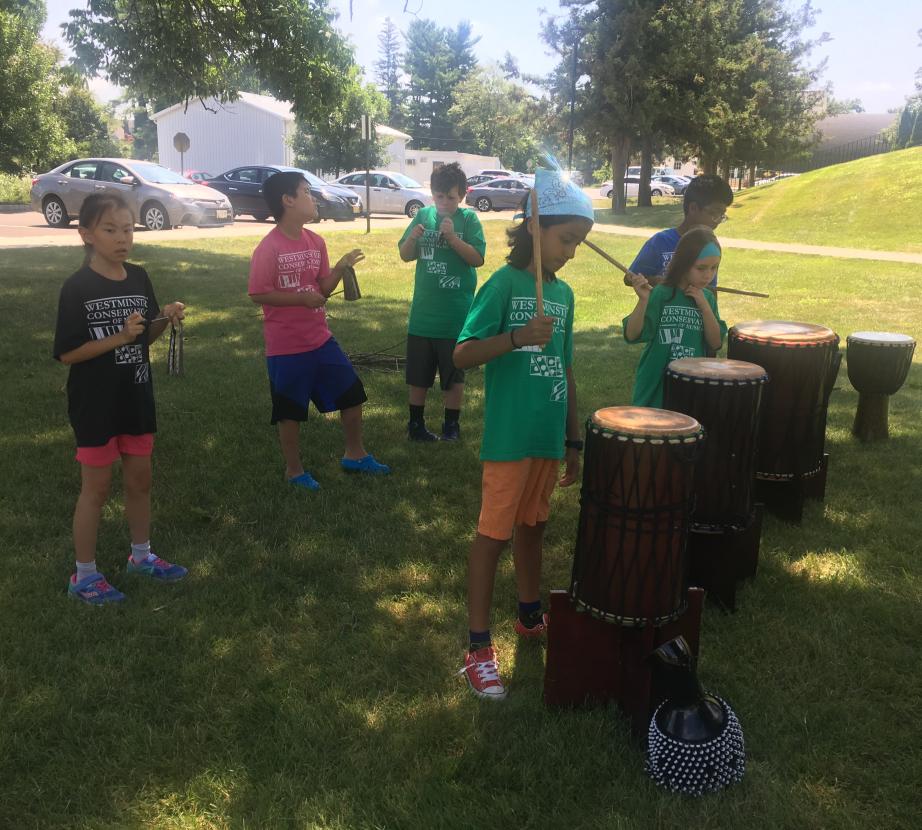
point(705, 203)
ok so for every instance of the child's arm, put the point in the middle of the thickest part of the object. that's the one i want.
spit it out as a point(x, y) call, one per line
point(464, 250)
point(409, 249)
point(712, 334)
point(634, 325)
point(133, 326)
point(571, 473)
point(470, 353)
point(328, 283)
point(311, 299)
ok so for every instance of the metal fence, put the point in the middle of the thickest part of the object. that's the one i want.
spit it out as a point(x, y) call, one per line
point(871, 146)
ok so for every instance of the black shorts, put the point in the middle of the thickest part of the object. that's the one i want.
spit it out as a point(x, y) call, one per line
point(425, 355)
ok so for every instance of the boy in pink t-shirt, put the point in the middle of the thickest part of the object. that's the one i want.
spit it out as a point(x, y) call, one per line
point(290, 277)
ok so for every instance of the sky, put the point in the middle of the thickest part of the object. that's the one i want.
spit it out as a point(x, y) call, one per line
point(873, 53)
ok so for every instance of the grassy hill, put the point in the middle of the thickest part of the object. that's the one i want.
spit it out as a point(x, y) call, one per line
point(874, 202)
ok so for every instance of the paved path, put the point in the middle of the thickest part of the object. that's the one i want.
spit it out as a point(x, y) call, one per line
point(29, 230)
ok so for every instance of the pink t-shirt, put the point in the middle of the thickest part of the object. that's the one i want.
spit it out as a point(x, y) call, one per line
point(291, 265)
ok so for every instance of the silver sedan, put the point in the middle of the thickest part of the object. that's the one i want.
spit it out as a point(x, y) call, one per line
point(158, 197)
point(498, 194)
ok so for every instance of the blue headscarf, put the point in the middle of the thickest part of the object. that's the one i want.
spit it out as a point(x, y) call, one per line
point(558, 196)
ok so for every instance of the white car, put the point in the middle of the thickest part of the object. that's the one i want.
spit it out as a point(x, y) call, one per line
point(389, 192)
point(632, 186)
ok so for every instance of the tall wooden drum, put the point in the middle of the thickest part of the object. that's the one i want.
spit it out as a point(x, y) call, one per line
point(878, 364)
point(630, 564)
point(802, 360)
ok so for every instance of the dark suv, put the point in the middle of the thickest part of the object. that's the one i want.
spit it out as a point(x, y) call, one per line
point(244, 187)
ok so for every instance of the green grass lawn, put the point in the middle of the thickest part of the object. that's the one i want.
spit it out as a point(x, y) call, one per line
point(873, 203)
point(304, 674)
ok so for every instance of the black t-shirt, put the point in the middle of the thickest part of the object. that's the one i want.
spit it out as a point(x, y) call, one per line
point(112, 394)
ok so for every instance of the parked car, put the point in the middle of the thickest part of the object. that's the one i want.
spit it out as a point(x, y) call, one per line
point(197, 175)
point(158, 197)
point(389, 192)
point(244, 187)
point(498, 173)
point(498, 194)
point(632, 186)
point(677, 183)
point(480, 178)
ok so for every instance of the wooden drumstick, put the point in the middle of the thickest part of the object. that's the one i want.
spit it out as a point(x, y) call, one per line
point(627, 280)
point(536, 252)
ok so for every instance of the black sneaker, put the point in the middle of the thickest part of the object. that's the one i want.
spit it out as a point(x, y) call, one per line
point(416, 431)
point(451, 431)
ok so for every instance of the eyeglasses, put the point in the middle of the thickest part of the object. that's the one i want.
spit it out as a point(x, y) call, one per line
point(718, 217)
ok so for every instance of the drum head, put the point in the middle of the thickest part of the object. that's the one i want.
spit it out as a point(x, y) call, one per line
point(646, 421)
point(880, 338)
point(717, 369)
point(783, 332)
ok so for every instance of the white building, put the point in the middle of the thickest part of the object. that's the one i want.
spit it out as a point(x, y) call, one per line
point(258, 129)
point(255, 129)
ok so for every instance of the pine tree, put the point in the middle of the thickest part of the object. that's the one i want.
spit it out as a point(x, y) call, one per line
point(387, 71)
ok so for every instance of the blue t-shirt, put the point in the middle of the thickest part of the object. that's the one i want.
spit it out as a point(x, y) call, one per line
point(656, 254)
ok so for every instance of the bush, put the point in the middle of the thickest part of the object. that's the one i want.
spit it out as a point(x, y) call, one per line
point(14, 188)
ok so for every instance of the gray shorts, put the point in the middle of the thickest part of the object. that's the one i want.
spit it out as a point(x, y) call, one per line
point(425, 355)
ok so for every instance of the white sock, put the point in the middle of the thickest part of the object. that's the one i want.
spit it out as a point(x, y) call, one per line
point(140, 552)
point(85, 569)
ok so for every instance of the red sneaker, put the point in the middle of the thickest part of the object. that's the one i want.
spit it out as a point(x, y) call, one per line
point(482, 674)
point(534, 631)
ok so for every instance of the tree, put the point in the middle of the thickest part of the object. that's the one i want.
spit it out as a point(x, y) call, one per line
point(436, 61)
point(387, 69)
point(199, 48)
point(500, 116)
point(32, 137)
point(85, 122)
point(335, 144)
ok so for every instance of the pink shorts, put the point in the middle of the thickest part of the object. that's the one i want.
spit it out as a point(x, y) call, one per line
point(115, 448)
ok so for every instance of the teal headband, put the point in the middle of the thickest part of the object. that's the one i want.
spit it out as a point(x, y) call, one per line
point(709, 250)
point(558, 196)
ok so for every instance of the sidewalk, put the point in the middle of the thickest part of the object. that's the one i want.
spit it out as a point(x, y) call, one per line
point(779, 247)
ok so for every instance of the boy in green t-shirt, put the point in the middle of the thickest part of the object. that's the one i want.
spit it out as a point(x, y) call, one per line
point(530, 419)
point(447, 243)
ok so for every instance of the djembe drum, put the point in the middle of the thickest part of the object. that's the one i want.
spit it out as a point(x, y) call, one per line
point(630, 564)
point(725, 397)
point(802, 361)
point(629, 591)
point(878, 363)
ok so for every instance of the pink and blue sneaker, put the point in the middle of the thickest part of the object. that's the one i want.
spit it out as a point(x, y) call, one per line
point(93, 590)
point(157, 568)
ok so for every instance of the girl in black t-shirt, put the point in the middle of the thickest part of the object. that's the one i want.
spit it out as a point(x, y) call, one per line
point(107, 317)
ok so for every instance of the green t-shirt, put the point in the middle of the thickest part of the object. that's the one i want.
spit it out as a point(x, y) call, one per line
point(526, 390)
point(445, 283)
point(672, 329)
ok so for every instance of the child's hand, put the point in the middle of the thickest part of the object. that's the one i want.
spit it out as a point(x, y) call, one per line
point(537, 332)
point(571, 473)
point(417, 232)
point(133, 326)
point(694, 292)
point(313, 299)
point(640, 284)
point(447, 227)
point(351, 259)
point(175, 311)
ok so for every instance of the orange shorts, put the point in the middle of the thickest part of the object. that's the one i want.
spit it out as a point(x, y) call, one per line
point(516, 493)
point(115, 448)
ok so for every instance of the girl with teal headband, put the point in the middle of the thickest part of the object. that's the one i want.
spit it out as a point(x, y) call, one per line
point(678, 318)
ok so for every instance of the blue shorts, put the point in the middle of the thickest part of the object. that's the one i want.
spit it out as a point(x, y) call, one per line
point(324, 376)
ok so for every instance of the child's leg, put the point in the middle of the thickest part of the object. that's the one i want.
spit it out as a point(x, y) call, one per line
point(94, 491)
point(481, 574)
point(418, 395)
point(136, 480)
point(527, 550)
point(453, 396)
point(289, 434)
point(352, 432)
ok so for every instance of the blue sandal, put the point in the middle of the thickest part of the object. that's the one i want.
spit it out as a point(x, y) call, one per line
point(368, 465)
point(305, 480)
